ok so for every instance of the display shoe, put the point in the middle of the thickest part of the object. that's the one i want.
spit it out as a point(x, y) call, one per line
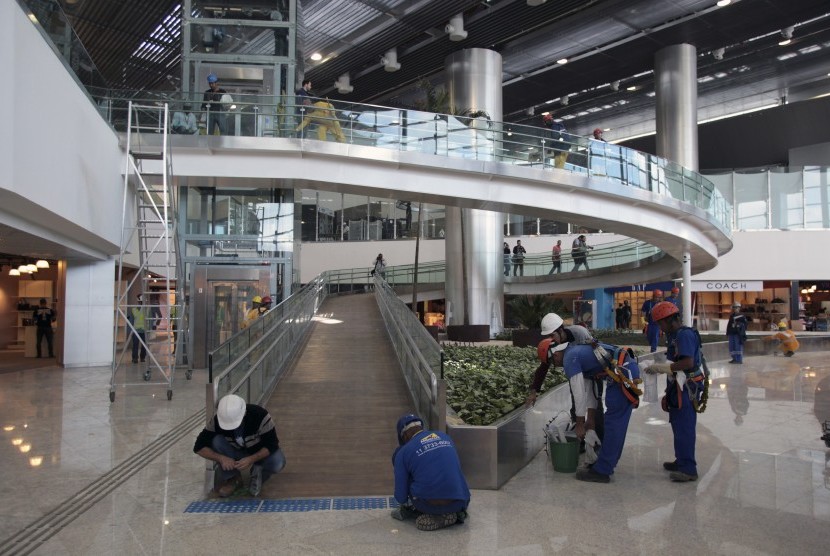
point(429, 522)
point(670, 465)
point(680, 477)
point(592, 476)
point(255, 487)
point(229, 487)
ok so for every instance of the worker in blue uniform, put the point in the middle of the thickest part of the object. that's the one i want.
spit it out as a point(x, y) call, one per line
point(652, 330)
point(429, 484)
point(585, 364)
point(685, 389)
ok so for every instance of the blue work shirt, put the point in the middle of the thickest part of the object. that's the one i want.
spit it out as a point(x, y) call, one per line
point(683, 343)
point(580, 358)
point(428, 467)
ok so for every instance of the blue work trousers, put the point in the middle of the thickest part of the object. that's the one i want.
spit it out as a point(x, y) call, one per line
point(653, 335)
point(617, 414)
point(270, 465)
point(736, 347)
point(683, 425)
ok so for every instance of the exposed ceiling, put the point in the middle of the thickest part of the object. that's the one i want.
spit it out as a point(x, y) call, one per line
point(136, 45)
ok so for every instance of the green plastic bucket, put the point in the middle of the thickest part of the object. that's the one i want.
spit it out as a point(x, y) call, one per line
point(564, 455)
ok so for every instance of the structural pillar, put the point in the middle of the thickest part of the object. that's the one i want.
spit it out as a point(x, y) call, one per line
point(86, 310)
point(675, 78)
point(474, 260)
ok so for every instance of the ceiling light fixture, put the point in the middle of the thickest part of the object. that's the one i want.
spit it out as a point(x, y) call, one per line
point(536, 2)
point(23, 269)
point(32, 268)
point(316, 57)
point(722, 3)
point(42, 263)
point(787, 33)
point(390, 60)
point(562, 61)
point(455, 28)
point(631, 88)
point(14, 272)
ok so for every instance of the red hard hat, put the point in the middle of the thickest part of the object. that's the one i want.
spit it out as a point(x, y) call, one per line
point(597, 130)
point(655, 293)
point(547, 117)
point(266, 300)
point(675, 290)
point(663, 309)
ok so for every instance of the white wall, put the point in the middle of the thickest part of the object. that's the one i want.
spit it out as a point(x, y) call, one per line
point(89, 311)
point(59, 161)
point(774, 255)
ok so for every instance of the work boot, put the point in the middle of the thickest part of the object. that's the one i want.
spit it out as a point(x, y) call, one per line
point(670, 465)
point(255, 487)
point(229, 487)
point(680, 477)
point(789, 354)
point(592, 476)
point(429, 522)
point(404, 512)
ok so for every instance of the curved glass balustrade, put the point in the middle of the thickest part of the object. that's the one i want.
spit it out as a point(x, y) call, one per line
point(438, 134)
point(608, 256)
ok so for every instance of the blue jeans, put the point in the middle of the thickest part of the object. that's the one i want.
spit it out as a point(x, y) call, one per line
point(139, 335)
point(270, 465)
point(736, 347)
point(617, 416)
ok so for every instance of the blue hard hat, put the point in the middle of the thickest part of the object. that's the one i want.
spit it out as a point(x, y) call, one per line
point(403, 422)
point(212, 78)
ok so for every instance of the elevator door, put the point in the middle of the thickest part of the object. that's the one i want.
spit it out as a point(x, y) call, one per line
point(221, 295)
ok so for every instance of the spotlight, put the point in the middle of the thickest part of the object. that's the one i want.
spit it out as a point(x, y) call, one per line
point(532, 110)
point(390, 60)
point(615, 85)
point(718, 53)
point(455, 28)
point(343, 84)
point(564, 100)
point(787, 33)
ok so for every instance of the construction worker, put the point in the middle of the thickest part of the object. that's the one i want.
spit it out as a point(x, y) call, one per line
point(585, 364)
point(139, 337)
point(685, 388)
point(736, 334)
point(652, 330)
point(252, 314)
point(324, 115)
point(786, 340)
point(675, 298)
point(265, 305)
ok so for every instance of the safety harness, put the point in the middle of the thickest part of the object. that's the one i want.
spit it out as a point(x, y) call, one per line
point(616, 370)
point(697, 381)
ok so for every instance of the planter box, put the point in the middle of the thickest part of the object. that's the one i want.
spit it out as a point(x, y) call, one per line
point(527, 337)
point(468, 333)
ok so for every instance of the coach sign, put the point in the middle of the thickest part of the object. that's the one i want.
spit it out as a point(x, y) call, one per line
point(727, 285)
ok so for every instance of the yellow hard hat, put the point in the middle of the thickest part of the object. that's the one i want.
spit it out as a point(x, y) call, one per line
point(257, 299)
point(782, 325)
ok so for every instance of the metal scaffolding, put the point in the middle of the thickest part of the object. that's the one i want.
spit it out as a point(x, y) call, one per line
point(150, 319)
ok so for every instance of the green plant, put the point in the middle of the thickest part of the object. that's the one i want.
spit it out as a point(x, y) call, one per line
point(528, 310)
point(486, 383)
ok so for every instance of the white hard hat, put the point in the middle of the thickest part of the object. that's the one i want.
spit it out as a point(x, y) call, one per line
point(551, 322)
point(230, 412)
point(736, 305)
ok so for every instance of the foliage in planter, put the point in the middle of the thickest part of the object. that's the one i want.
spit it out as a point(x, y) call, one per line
point(528, 310)
point(486, 383)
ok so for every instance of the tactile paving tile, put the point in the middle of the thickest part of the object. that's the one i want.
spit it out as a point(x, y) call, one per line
point(374, 503)
point(299, 505)
point(224, 507)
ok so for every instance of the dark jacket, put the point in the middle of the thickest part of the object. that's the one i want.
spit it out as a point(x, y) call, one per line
point(258, 431)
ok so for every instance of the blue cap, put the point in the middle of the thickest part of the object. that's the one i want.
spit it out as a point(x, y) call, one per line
point(405, 422)
point(212, 78)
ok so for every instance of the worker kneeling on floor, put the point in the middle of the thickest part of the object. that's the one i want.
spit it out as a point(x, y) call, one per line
point(429, 484)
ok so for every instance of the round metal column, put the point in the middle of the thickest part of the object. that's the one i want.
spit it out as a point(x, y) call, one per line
point(675, 78)
point(474, 83)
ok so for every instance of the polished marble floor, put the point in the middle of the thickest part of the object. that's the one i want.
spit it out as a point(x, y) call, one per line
point(73, 483)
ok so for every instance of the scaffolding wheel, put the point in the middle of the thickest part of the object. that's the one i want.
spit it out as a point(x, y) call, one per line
point(169, 395)
point(188, 374)
point(112, 396)
point(147, 375)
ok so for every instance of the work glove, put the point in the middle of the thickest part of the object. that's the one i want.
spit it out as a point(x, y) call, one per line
point(659, 368)
point(592, 446)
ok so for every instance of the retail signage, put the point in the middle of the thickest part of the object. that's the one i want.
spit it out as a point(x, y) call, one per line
point(727, 285)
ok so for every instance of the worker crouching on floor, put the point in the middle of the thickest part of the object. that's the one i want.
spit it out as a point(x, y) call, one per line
point(787, 344)
point(429, 484)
